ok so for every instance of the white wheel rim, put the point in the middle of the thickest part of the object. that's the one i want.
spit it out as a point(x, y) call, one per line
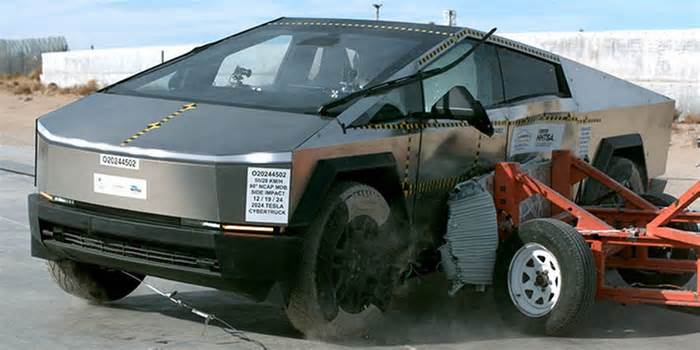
point(534, 280)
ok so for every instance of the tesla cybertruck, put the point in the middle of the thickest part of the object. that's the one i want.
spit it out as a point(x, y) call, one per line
point(317, 156)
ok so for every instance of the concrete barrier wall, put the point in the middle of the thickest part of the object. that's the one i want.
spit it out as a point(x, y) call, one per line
point(105, 66)
point(666, 61)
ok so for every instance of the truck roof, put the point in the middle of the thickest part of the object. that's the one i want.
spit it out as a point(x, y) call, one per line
point(420, 28)
point(430, 28)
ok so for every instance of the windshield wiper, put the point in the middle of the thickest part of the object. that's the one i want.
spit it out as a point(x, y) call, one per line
point(393, 84)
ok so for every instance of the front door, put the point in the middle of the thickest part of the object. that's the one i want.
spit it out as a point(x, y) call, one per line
point(452, 151)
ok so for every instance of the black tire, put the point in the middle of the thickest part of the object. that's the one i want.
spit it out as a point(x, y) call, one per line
point(319, 305)
point(622, 170)
point(91, 282)
point(577, 274)
point(653, 278)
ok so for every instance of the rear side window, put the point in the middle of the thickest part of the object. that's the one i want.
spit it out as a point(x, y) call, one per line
point(526, 76)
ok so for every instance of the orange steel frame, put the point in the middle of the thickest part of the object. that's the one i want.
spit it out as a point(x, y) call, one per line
point(645, 226)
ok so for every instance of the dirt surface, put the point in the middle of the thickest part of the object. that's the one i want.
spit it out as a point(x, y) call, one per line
point(683, 166)
point(37, 314)
point(684, 156)
point(18, 113)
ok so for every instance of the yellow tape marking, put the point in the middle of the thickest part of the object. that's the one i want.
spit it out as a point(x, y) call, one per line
point(157, 124)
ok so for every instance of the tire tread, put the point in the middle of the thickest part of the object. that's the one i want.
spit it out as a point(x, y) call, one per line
point(302, 309)
point(91, 282)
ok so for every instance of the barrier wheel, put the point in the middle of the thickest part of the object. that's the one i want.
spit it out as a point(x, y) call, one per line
point(545, 278)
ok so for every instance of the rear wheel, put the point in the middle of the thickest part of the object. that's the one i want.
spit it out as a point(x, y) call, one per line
point(91, 282)
point(545, 279)
point(352, 258)
point(651, 278)
point(622, 170)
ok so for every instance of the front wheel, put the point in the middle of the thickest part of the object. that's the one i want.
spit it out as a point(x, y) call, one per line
point(545, 277)
point(352, 258)
point(91, 282)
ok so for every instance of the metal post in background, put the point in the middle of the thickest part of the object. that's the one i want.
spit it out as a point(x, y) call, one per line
point(449, 17)
point(376, 11)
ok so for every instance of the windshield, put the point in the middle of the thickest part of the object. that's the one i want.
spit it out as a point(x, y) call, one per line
point(283, 67)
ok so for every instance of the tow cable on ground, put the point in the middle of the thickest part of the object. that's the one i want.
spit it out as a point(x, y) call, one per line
point(225, 326)
point(16, 172)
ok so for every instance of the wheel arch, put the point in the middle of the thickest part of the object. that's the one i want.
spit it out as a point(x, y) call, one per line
point(376, 170)
point(630, 146)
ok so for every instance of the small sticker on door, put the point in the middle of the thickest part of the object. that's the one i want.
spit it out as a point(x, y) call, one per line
point(584, 140)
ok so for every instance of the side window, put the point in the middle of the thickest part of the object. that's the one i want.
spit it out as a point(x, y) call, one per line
point(397, 103)
point(479, 73)
point(489, 87)
point(263, 68)
point(526, 76)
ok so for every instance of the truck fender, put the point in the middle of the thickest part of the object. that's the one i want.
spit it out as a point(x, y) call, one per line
point(377, 170)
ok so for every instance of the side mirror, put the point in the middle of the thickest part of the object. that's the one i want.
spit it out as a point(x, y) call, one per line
point(459, 104)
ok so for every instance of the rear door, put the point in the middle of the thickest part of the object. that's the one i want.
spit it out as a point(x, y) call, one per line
point(538, 106)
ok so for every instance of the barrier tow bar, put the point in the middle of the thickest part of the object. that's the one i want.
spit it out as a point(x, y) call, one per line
point(618, 237)
point(208, 318)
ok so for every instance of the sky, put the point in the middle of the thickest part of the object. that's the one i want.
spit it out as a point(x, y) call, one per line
point(125, 23)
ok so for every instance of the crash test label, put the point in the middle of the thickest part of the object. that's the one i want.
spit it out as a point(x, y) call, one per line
point(267, 195)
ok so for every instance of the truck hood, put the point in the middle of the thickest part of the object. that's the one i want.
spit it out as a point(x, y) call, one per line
point(159, 128)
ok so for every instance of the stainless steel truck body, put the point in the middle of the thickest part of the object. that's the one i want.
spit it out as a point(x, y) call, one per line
point(212, 168)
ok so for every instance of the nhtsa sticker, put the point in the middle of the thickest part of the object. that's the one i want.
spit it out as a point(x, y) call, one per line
point(267, 195)
point(536, 138)
point(119, 161)
point(120, 186)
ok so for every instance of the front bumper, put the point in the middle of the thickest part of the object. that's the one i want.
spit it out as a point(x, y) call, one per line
point(248, 264)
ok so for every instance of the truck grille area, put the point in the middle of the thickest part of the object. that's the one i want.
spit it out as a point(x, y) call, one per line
point(137, 250)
